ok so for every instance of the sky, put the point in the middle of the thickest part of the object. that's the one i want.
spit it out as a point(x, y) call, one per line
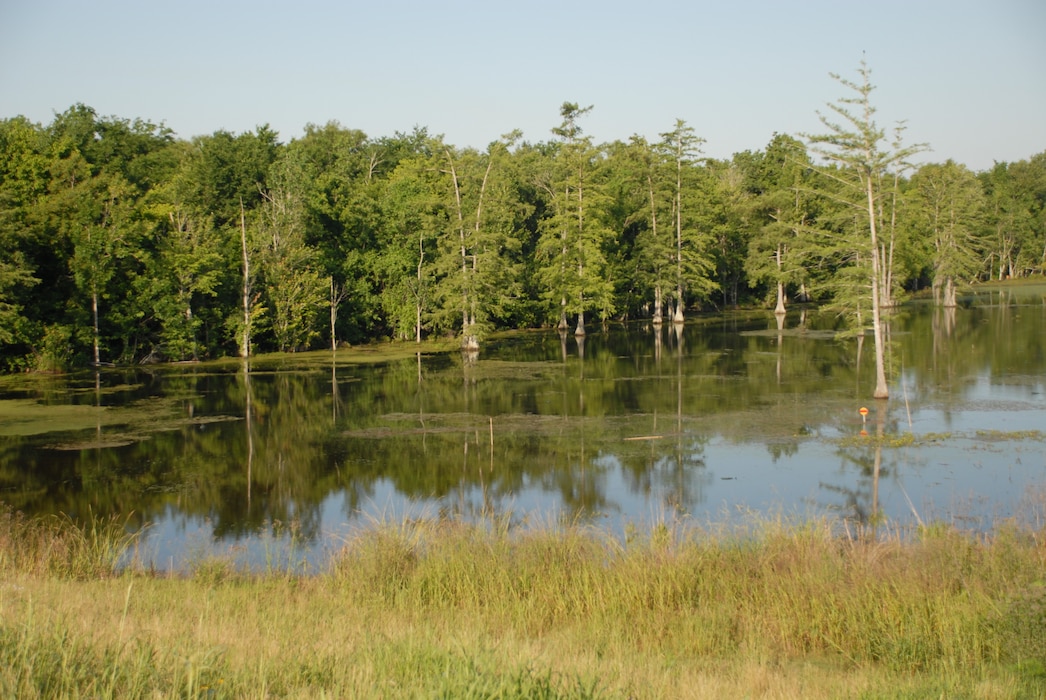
point(967, 77)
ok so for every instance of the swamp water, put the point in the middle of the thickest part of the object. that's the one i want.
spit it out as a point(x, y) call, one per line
point(724, 417)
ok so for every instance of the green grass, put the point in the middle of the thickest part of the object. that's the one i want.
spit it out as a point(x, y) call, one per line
point(446, 609)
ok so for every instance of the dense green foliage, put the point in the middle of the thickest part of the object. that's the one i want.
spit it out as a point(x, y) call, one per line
point(121, 243)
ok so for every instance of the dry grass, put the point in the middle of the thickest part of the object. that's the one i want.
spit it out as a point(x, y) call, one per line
point(437, 608)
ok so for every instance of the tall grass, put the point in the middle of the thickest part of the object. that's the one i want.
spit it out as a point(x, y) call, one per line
point(63, 546)
point(442, 608)
point(947, 599)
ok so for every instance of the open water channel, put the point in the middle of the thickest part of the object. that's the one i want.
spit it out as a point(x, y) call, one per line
point(725, 417)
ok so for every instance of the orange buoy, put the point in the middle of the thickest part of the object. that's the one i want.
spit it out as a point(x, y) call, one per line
point(863, 411)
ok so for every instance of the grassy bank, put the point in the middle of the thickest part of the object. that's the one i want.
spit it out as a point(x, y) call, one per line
point(445, 609)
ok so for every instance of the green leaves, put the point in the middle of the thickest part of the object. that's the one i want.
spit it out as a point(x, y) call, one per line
point(861, 167)
point(948, 212)
point(573, 234)
point(294, 287)
point(781, 214)
point(131, 240)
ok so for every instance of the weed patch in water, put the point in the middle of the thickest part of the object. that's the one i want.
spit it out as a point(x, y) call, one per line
point(895, 440)
point(23, 417)
point(1004, 435)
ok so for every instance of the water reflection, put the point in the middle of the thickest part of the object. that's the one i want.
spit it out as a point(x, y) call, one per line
point(864, 459)
point(248, 416)
point(718, 415)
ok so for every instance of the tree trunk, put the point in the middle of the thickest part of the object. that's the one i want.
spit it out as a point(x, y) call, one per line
point(418, 296)
point(882, 390)
point(468, 339)
point(778, 257)
point(334, 316)
point(950, 294)
point(245, 340)
point(188, 320)
point(94, 312)
point(888, 291)
point(677, 317)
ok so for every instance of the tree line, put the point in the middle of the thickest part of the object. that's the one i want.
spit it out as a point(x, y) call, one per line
point(121, 243)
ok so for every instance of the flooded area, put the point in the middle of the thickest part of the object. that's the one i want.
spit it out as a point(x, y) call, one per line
point(726, 416)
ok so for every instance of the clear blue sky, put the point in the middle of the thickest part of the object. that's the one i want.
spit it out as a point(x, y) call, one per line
point(969, 77)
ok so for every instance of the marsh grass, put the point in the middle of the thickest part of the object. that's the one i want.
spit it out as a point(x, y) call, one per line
point(63, 547)
point(431, 607)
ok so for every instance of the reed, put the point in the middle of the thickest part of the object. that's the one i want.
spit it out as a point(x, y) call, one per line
point(65, 547)
point(444, 608)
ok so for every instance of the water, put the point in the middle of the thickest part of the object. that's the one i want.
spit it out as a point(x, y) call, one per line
point(725, 417)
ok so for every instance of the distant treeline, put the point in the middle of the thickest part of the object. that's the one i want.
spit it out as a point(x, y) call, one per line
point(121, 243)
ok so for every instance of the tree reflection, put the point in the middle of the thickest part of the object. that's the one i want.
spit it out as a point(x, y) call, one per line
point(586, 426)
point(861, 498)
point(248, 415)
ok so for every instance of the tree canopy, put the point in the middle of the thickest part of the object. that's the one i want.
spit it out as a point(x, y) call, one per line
point(121, 243)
